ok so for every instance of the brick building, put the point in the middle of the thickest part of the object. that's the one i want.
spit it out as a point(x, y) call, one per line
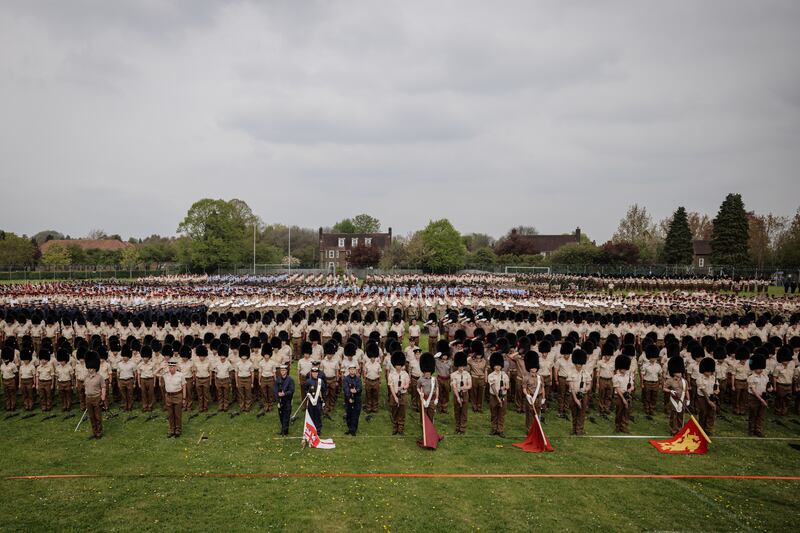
point(547, 244)
point(334, 248)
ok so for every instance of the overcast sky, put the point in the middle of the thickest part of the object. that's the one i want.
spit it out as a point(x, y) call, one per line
point(555, 114)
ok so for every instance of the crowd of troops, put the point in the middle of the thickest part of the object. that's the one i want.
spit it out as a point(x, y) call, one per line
point(184, 350)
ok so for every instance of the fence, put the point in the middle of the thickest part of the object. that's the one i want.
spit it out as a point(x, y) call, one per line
point(79, 272)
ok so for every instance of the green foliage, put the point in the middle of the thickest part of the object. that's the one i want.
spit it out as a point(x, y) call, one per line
point(130, 257)
point(395, 256)
point(483, 257)
point(576, 254)
point(365, 223)
point(787, 252)
point(217, 232)
point(729, 236)
point(678, 244)
point(344, 226)
point(158, 250)
point(476, 241)
point(16, 251)
point(442, 249)
point(364, 256)
point(47, 235)
point(57, 256)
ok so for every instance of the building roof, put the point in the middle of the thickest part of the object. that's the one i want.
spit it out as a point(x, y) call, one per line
point(701, 247)
point(87, 244)
point(331, 240)
point(550, 243)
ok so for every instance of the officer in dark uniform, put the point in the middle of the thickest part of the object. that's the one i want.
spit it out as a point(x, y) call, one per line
point(315, 396)
point(352, 386)
point(284, 390)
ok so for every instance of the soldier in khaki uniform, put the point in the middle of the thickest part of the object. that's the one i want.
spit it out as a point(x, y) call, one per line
point(427, 385)
point(443, 369)
point(579, 382)
point(498, 382)
point(757, 385)
point(398, 383)
point(126, 377)
point(707, 391)
point(331, 369)
point(741, 371)
point(532, 389)
point(44, 380)
point(146, 378)
point(622, 384)
point(460, 384)
point(562, 367)
point(651, 380)
point(372, 378)
point(64, 376)
point(222, 373)
point(8, 371)
point(677, 389)
point(784, 376)
point(605, 374)
point(96, 390)
point(477, 371)
point(202, 376)
point(266, 377)
point(175, 392)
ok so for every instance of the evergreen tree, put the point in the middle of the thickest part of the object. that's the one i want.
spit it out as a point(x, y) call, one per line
point(678, 244)
point(730, 233)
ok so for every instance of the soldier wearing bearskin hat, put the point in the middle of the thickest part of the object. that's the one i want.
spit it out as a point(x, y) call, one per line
point(44, 381)
point(9, 371)
point(579, 382)
point(546, 370)
point(95, 389)
point(783, 374)
point(460, 384)
point(398, 384)
point(432, 327)
point(478, 370)
point(126, 374)
point(371, 375)
point(622, 383)
point(498, 382)
point(427, 385)
point(444, 367)
point(304, 365)
point(741, 371)
point(707, 394)
point(532, 388)
point(758, 385)
point(677, 388)
point(27, 373)
point(332, 370)
point(651, 380)
point(605, 375)
point(64, 377)
point(562, 368)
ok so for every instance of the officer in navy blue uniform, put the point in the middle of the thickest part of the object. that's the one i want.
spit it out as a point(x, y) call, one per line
point(351, 384)
point(284, 390)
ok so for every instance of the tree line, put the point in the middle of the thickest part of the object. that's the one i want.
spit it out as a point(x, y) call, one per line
point(217, 233)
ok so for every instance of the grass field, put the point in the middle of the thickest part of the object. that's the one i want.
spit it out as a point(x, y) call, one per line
point(149, 482)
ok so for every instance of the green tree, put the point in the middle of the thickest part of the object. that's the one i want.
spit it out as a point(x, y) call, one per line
point(395, 256)
point(344, 226)
point(77, 255)
point(678, 244)
point(57, 255)
point(217, 234)
point(637, 227)
point(476, 241)
point(365, 223)
point(483, 257)
point(130, 257)
point(16, 251)
point(442, 249)
point(730, 233)
point(47, 235)
point(787, 252)
point(576, 254)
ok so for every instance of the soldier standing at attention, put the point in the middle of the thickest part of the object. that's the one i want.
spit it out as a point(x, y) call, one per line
point(352, 386)
point(95, 389)
point(175, 391)
point(398, 383)
point(284, 390)
point(460, 383)
point(498, 390)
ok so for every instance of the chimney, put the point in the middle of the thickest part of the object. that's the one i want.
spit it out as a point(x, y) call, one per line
point(390, 234)
point(578, 234)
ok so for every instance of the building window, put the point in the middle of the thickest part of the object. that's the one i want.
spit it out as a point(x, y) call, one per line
point(337, 254)
point(701, 262)
point(341, 242)
point(331, 266)
point(330, 254)
point(367, 241)
point(354, 241)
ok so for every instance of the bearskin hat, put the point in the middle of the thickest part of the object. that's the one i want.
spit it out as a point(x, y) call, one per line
point(398, 358)
point(622, 362)
point(460, 359)
point(427, 363)
point(531, 360)
point(707, 365)
point(675, 365)
point(496, 360)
